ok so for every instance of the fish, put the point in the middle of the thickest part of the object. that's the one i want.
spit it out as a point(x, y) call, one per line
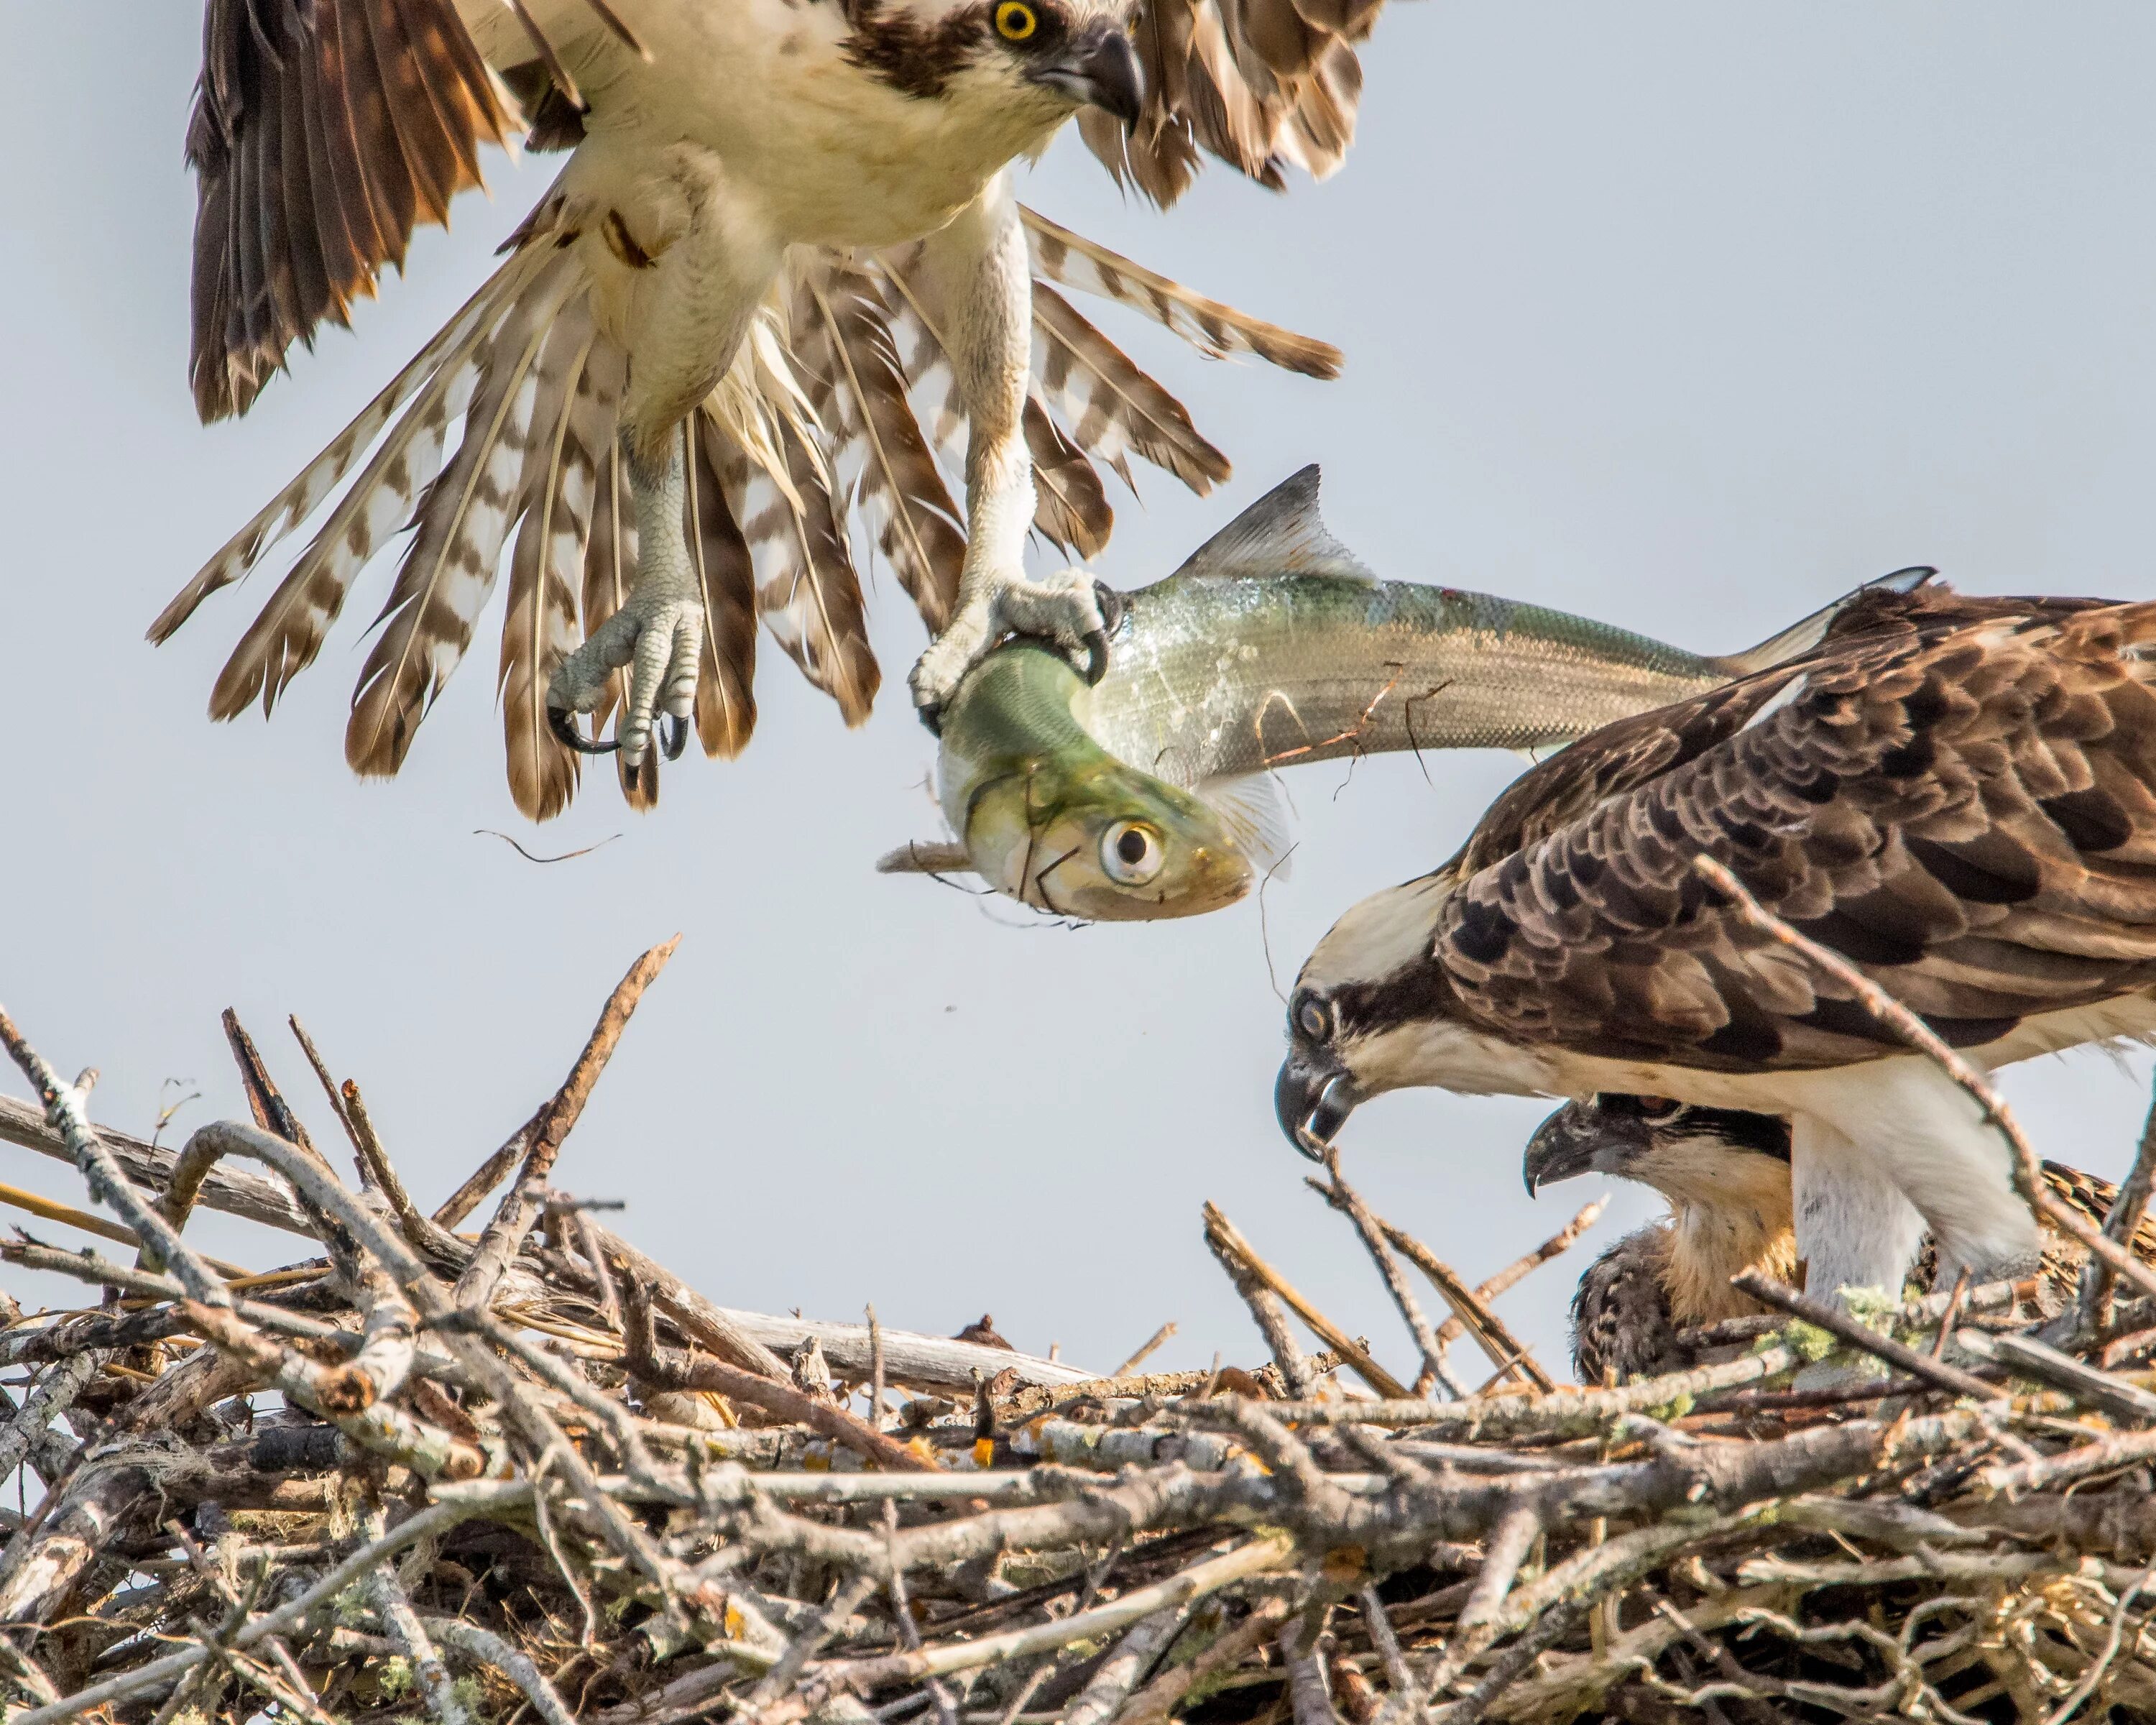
point(1151, 795)
point(1050, 817)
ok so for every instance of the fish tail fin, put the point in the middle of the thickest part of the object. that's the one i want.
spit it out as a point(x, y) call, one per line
point(1807, 633)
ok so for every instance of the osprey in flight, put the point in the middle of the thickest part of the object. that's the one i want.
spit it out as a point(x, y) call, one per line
point(1956, 794)
point(782, 222)
point(1726, 1176)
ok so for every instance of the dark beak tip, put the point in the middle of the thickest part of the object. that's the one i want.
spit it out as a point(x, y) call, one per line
point(1118, 81)
point(1311, 1107)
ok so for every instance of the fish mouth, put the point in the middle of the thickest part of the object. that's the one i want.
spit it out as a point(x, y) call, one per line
point(1312, 1100)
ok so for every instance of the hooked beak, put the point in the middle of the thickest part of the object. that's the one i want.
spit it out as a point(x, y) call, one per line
point(1313, 1102)
point(1098, 70)
point(1561, 1148)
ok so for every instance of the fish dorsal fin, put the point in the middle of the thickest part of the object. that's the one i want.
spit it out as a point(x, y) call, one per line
point(1250, 807)
point(1282, 533)
point(926, 856)
point(1807, 633)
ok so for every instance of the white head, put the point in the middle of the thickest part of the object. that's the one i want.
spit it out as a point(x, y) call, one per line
point(1708, 1158)
point(1373, 1010)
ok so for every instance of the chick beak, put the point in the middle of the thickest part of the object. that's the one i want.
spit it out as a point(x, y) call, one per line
point(1560, 1148)
point(1100, 69)
point(1312, 1104)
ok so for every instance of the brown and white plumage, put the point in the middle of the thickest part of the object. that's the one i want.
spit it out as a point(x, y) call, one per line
point(820, 396)
point(784, 225)
point(1956, 794)
point(1262, 83)
point(1725, 1175)
point(324, 131)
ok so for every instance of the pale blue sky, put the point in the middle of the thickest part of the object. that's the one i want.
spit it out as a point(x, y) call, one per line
point(1684, 316)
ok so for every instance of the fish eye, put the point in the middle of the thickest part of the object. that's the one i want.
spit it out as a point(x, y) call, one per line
point(1313, 1017)
point(1015, 21)
point(1130, 850)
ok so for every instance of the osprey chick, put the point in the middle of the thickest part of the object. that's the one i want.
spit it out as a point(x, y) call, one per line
point(1956, 794)
point(1725, 1175)
point(778, 217)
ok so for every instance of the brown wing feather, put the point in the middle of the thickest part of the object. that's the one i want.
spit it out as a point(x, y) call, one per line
point(1620, 1313)
point(2093, 1196)
point(322, 133)
point(1958, 796)
point(1262, 85)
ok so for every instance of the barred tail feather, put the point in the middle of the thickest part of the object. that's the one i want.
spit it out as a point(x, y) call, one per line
point(609, 570)
point(447, 354)
point(464, 523)
point(1215, 330)
point(288, 631)
point(861, 394)
point(924, 364)
point(1070, 509)
point(807, 594)
point(725, 672)
point(539, 629)
point(1110, 405)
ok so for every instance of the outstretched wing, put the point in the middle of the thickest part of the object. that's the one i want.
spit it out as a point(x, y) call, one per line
point(323, 132)
point(838, 421)
point(1263, 84)
point(1963, 804)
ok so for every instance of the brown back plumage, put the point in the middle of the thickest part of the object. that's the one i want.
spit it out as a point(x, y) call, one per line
point(1958, 795)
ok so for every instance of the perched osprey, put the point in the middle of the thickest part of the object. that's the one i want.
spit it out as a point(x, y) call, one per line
point(1956, 794)
point(698, 363)
point(1725, 1175)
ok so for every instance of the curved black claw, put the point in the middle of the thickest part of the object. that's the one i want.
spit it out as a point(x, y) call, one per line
point(563, 724)
point(1096, 657)
point(1112, 605)
point(673, 736)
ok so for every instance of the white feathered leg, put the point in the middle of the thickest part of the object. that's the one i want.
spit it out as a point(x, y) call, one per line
point(1854, 1228)
point(978, 271)
point(1930, 1138)
point(680, 267)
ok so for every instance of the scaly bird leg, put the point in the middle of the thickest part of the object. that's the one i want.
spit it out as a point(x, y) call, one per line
point(658, 632)
point(978, 272)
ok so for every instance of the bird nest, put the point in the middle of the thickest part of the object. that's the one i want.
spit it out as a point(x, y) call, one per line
point(527, 1471)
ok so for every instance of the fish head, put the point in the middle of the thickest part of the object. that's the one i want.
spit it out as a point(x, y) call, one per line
point(1100, 840)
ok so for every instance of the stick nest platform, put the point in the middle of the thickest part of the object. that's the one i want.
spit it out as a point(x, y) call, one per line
point(525, 1471)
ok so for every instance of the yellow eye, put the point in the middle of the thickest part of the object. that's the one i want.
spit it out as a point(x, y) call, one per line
point(1015, 20)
